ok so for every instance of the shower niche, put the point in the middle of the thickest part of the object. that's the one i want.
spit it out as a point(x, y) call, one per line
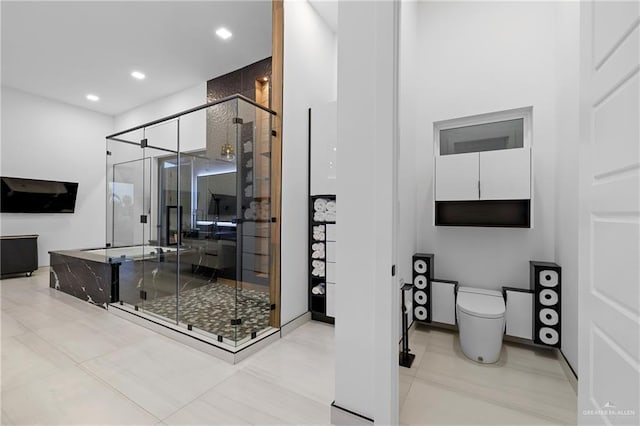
point(189, 221)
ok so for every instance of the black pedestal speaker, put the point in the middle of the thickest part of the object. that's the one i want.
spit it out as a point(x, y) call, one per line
point(546, 282)
point(422, 276)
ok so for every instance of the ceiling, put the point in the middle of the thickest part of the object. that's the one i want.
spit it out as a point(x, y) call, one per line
point(66, 50)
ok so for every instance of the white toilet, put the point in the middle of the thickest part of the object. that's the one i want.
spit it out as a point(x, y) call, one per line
point(481, 323)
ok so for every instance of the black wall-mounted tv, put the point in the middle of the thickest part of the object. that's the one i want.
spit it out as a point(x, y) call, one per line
point(20, 195)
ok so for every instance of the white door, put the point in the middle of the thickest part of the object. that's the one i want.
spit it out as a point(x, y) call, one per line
point(457, 177)
point(505, 174)
point(609, 254)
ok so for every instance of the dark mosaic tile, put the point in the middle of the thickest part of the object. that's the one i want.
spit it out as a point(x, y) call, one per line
point(211, 308)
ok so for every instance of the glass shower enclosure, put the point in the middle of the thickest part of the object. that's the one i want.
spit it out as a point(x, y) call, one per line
point(189, 220)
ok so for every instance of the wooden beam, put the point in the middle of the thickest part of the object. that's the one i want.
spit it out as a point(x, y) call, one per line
point(277, 51)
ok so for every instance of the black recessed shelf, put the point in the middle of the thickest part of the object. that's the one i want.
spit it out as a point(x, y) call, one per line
point(318, 302)
point(484, 213)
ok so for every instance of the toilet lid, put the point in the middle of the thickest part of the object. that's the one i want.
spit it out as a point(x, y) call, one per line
point(480, 303)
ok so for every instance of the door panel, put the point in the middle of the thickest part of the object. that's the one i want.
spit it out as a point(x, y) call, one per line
point(610, 22)
point(505, 174)
point(457, 177)
point(609, 248)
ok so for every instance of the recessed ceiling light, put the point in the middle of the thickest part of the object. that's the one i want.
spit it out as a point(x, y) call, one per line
point(138, 75)
point(223, 33)
point(93, 97)
point(265, 78)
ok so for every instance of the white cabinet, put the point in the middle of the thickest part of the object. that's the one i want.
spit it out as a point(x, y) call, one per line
point(488, 175)
point(505, 174)
point(483, 170)
point(457, 177)
point(519, 313)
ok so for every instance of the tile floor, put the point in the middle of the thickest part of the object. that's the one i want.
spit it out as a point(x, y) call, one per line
point(67, 362)
point(525, 387)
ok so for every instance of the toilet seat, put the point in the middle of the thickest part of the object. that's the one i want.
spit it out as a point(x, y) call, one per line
point(480, 303)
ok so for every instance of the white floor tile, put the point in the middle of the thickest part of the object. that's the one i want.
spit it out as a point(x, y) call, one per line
point(27, 358)
point(501, 384)
point(159, 374)
point(78, 340)
point(71, 397)
point(200, 412)
point(403, 388)
point(5, 420)
point(251, 393)
point(10, 326)
point(302, 362)
point(429, 404)
point(67, 362)
point(524, 379)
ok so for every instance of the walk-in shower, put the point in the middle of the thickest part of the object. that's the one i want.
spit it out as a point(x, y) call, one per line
point(189, 220)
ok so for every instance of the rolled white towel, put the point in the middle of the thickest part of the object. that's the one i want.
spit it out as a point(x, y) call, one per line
point(253, 205)
point(247, 146)
point(318, 236)
point(318, 254)
point(318, 228)
point(318, 289)
point(320, 205)
point(331, 206)
point(317, 246)
point(247, 214)
point(330, 216)
point(248, 191)
point(315, 272)
point(249, 177)
point(319, 216)
point(249, 163)
point(317, 263)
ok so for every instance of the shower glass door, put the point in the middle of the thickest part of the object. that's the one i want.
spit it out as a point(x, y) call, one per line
point(209, 266)
point(161, 245)
point(125, 206)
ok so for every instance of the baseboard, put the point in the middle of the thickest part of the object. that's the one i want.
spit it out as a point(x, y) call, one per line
point(295, 323)
point(343, 417)
point(232, 355)
point(568, 371)
point(254, 347)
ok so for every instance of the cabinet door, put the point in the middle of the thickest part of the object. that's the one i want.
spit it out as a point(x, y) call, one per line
point(505, 174)
point(457, 177)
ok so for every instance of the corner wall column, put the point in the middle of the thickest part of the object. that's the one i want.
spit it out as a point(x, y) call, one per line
point(368, 297)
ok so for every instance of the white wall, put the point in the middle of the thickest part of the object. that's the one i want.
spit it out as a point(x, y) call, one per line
point(45, 139)
point(193, 127)
point(407, 183)
point(168, 105)
point(309, 78)
point(567, 145)
point(192, 136)
point(476, 58)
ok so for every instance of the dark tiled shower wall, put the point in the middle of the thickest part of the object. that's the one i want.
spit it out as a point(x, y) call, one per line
point(242, 81)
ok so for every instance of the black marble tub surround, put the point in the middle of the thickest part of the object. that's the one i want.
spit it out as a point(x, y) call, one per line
point(85, 275)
